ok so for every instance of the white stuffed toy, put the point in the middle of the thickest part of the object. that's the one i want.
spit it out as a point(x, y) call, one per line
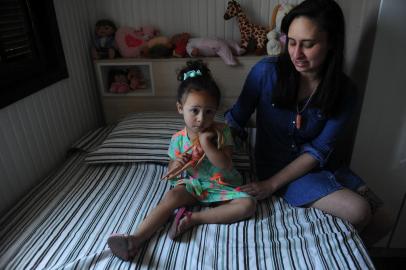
point(226, 49)
point(275, 42)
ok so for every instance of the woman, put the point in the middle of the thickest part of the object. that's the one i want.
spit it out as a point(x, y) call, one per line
point(303, 101)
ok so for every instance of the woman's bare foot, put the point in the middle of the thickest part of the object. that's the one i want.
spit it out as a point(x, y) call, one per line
point(124, 246)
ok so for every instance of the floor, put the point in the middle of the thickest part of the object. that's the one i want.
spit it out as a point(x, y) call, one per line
point(388, 259)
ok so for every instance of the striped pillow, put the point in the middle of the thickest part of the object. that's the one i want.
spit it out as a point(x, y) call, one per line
point(145, 137)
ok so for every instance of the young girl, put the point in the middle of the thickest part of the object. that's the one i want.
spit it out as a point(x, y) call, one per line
point(214, 180)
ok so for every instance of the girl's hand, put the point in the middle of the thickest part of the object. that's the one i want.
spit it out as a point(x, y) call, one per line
point(260, 190)
point(206, 135)
point(181, 160)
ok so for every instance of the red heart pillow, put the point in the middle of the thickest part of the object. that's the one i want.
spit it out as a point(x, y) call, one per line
point(130, 42)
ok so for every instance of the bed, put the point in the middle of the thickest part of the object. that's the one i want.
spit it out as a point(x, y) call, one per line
point(111, 180)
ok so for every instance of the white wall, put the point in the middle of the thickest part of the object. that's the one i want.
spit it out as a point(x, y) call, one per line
point(380, 149)
point(35, 132)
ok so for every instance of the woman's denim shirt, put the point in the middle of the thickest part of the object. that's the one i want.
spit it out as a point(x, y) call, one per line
point(278, 141)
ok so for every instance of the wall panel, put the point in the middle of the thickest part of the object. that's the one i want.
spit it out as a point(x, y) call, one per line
point(35, 132)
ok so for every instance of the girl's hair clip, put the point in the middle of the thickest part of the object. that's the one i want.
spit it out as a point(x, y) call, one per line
point(192, 74)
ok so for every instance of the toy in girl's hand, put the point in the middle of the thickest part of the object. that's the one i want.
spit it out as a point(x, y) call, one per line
point(118, 81)
point(179, 42)
point(104, 42)
point(136, 79)
point(226, 49)
point(276, 39)
point(248, 30)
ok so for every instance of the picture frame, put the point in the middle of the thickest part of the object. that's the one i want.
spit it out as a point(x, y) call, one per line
point(129, 78)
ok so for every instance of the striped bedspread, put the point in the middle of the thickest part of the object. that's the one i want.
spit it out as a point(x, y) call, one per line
point(65, 221)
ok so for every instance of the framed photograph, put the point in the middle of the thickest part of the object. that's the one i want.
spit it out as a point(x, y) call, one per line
point(124, 78)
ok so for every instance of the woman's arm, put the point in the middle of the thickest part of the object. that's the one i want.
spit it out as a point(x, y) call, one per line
point(312, 154)
point(297, 168)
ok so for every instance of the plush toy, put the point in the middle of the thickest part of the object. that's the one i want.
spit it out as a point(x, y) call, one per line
point(158, 47)
point(215, 47)
point(104, 42)
point(276, 39)
point(179, 42)
point(132, 42)
point(248, 30)
point(136, 79)
point(118, 81)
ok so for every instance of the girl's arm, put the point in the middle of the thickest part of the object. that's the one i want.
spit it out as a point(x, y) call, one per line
point(220, 158)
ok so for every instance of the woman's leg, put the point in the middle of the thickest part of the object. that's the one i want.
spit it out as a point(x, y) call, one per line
point(381, 222)
point(230, 212)
point(347, 205)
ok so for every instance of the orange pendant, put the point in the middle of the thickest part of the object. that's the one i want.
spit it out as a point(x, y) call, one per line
point(298, 121)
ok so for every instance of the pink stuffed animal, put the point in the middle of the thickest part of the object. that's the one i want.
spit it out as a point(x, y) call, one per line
point(132, 41)
point(226, 49)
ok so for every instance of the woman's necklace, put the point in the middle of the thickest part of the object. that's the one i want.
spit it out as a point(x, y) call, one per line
point(299, 112)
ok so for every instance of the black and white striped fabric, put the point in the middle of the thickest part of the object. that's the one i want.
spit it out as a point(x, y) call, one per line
point(64, 223)
point(145, 137)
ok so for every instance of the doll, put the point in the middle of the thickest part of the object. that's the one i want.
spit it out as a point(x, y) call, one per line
point(136, 79)
point(118, 81)
point(104, 42)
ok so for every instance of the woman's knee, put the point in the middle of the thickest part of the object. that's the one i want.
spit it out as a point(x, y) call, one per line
point(360, 213)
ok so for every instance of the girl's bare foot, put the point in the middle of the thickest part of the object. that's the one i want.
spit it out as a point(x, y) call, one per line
point(124, 246)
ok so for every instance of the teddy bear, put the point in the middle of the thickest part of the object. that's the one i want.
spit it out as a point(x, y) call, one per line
point(276, 39)
point(104, 41)
point(158, 47)
point(132, 42)
point(226, 49)
point(179, 42)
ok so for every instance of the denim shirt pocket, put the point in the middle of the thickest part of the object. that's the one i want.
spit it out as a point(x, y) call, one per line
point(313, 123)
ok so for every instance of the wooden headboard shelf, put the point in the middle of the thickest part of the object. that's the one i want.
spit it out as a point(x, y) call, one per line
point(160, 94)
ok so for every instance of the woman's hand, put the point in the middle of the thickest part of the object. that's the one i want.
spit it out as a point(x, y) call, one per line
point(260, 190)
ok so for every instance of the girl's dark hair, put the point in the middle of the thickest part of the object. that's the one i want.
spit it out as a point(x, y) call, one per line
point(329, 17)
point(196, 76)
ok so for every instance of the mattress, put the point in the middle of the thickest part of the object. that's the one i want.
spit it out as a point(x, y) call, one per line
point(64, 223)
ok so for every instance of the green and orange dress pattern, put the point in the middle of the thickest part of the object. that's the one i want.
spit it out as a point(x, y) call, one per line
point(207, 182)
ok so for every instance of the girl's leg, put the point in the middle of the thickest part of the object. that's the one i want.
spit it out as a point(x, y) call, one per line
point(347, 205)
point(126, 247)
point(226, 213)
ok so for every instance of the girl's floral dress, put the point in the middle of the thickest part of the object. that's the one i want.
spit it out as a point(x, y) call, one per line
point(207, 183)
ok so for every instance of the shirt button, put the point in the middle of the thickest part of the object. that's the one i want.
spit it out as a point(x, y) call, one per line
point(293, 146)
point(294, 122)
point(273, 104)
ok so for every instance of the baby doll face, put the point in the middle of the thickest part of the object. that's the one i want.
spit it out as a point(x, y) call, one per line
point(198, 109)
point(104, 30)
point(120, 78)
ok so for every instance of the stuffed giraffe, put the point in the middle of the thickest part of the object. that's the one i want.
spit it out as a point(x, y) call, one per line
point(248, 30)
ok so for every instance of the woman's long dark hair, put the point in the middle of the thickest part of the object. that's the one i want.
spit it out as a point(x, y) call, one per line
point(329, 17)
